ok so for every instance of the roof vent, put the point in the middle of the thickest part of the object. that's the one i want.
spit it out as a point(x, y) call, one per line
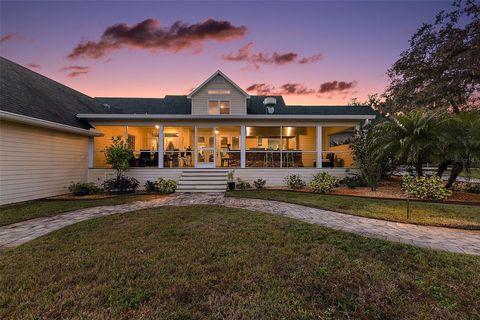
point(269, 104)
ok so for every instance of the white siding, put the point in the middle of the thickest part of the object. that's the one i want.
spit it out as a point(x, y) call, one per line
point(274, 177)
point(238, 102)
point(37, 163)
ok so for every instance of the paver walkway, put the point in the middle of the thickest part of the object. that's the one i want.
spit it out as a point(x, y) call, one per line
point(453, 240)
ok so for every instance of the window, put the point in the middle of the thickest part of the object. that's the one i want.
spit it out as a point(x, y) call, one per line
point(218, 91)
point(218, 107)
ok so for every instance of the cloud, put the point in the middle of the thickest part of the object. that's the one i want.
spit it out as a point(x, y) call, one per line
point(75, 71)
point(149, 34)
point(331, 86)
point(33, 66)
point(8, 37)
point(245, 54)
point(285, 89)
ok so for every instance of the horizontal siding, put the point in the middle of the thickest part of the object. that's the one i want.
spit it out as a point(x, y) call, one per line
point(37, 163)
point(238, 102)
point(274, 177)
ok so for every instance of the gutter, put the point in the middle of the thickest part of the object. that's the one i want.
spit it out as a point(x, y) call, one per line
point(222, 117)
point(18, 118)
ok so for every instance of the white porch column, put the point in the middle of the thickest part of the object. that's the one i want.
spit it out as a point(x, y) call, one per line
point(195, 151)
point(243, 154)
point(319, 147)
point(90, 152)
point(160, 146)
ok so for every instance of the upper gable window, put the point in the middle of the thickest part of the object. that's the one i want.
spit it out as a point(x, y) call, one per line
point(218, 107)
point(218, 91)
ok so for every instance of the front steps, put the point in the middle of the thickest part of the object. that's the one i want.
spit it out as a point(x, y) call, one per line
point(202, 180)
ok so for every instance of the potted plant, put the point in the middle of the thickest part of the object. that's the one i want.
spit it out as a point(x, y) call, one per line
point(230, 180)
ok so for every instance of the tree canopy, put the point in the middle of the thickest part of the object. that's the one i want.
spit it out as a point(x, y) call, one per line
point(441, 69)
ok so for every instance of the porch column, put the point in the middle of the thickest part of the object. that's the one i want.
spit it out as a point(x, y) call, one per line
point(195, 151)
point(90, 152)
point(243, 136)
point(160, 146)
point(319, 147)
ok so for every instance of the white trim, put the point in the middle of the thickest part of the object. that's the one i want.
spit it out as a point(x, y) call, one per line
point(14, 117)
point(213, 149)
point(319, 147)
point(243, 137)
point(222, 117)
point(90, 152)
point(161, 136)
point(218, 72)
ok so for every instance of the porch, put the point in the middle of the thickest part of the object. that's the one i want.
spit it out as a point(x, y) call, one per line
point(225, 146)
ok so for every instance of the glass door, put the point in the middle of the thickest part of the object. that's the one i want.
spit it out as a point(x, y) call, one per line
point(205, 147)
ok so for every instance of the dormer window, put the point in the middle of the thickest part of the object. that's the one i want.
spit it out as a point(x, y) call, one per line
point(218, 91)
point(218, 107)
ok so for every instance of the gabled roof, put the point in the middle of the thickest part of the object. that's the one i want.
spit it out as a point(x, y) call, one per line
point(168, 105)
point(218, 72)
point(27, 93)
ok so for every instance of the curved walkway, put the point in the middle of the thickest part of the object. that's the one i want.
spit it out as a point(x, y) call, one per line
point(453, 240)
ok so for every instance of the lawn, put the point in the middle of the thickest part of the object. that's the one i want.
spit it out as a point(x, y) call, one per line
point(474, 173)
point(47, 207)
point(211, 262)
point(435, 214)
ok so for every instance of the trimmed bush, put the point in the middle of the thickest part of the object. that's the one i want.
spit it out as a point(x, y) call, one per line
point(161, 186)
point(425, 188)
point(150, 186)
point(323, 182)
point(354, 181)
point(242, 184)
point(294, 181)
point(120, 184)
point(259, 183)
point(83, 188)
point(166, 186)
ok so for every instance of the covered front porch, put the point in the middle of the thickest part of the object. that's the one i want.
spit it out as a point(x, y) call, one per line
point(226, 145)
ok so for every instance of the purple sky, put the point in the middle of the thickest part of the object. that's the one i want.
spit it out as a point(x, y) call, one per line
point(311, 52)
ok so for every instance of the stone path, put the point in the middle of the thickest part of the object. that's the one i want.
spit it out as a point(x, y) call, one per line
point(453, 240)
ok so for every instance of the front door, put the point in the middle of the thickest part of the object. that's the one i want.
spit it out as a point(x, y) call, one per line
point(205, 147)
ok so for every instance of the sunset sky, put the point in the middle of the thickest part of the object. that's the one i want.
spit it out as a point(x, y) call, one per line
point(314, 53)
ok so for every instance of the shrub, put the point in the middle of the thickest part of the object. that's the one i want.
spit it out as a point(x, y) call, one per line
point(259, 183)
point(425, 188)
point(472, 187)
point(166, 186)
point(150, 186)
point(242, 184)
point(353, 182)
point(230, 175)
point(120, 184)
point(323, 182)
point(118, 155)
point(83, 188)
point(294, 181)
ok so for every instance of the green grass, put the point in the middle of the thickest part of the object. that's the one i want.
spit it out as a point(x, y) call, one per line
point(435, 214)
point(212, 262)
point(46, 207)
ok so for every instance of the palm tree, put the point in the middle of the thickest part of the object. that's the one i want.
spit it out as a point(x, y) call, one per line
point(460, 144)
point(412, 137)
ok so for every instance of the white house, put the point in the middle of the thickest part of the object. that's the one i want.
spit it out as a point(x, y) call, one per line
point(216, 128)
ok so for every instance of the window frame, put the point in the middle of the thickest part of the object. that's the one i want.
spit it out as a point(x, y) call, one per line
point(219, 100)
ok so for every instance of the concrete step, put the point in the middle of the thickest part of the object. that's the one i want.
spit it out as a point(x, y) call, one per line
point(203, 174)
point(204, 190)
point(202, 182)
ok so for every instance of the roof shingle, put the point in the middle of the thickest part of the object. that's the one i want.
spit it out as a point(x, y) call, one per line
point(28, 93)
